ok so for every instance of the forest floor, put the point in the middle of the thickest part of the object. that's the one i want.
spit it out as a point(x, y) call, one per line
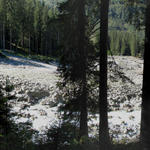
point(34, 87)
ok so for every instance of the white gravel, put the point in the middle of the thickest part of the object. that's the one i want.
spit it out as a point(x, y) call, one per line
point(27, 69)
point(28, 73)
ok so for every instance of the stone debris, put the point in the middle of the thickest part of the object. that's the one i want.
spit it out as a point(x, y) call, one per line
point(36, 99)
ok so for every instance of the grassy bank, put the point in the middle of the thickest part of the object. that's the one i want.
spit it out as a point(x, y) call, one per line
point(45, 59)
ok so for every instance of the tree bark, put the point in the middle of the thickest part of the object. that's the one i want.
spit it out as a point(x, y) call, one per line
point(83, 66)
point(145, 115)
point(39, 42)
point(29, 43)
point(46, 53)
point(10, 41)
point(23, 40)
point(37, 46)
point(3, 36)
point(34, 43)
point(103, 104)
point(1, 31)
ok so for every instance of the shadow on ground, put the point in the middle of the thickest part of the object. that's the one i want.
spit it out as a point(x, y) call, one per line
point(19, 61)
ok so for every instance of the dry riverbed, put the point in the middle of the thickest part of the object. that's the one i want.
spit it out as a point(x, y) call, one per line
point(35, 92)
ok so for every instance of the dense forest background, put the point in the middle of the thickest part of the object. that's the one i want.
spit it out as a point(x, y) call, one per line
point(32, 26)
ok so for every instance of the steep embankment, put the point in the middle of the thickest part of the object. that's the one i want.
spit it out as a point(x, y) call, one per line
point(34, 84)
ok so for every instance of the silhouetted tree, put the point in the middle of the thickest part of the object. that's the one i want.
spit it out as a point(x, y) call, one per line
point(83, 68)
point(145, 121)
point(103, 104)
point(74, 58)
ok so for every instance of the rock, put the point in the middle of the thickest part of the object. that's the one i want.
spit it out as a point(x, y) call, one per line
point(49, 102)
point(22, 97)
point(19, 95)
point(34, 86)
point(24, 106)
point(33, 117)
point(38, 94)
point(43, 112)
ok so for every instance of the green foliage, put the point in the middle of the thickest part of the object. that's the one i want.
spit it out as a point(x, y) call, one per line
point(36, 27)
point(61, 135)
point(28, 26)
point(124, 38)
point(130, 146)
point(46, 59)
point(4, 112)
point(2, 55)
point(85, 144)
point(126, 43)
point(21, 134)
point(65, 135)
point(9, 87)
point(135, 12)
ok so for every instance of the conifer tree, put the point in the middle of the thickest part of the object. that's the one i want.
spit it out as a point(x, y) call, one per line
point(145, 121)
point(104, 139)
point(75, 56)
point(3, 17)
point(38, 26)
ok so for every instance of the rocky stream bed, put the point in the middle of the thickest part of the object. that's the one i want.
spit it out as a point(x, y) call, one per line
point(35, 95)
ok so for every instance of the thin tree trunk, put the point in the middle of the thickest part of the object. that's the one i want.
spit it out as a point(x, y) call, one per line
point(84, 114)
point(23, 40)
point(34, 43)
point(58, 38)
point(145, 115)
point(3, 36)
point(50, 45)
point(37, 46)
point(29, 43)
point(82, 51)
point(46, 52)
point(39, 42)
point(104, 138)
point(10, 41)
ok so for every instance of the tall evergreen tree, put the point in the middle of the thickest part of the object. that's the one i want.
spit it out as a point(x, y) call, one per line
point(145, 121)
point(30, 22)
point(103, 104)
point(83, 68)
point(3, 17)
point(38, 26)
point(74, 58)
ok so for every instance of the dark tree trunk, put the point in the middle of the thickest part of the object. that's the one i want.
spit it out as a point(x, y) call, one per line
point(84, 114)
point(83, 66)
point(3, 36)
point(37, 46)
point(29, 43)
point(34, 43)
point(39, 42)
point(10, 41)
point(103, 104)
point(145, 120)
point(22, 40)
point(50, 44)
point(58, 38)
point(46, 52)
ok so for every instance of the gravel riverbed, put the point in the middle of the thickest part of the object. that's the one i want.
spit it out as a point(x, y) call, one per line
point(34, 83)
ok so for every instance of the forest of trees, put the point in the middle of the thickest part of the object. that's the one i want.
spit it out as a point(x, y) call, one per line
point(27, 25)
point(81, 33)
point(32, 26)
